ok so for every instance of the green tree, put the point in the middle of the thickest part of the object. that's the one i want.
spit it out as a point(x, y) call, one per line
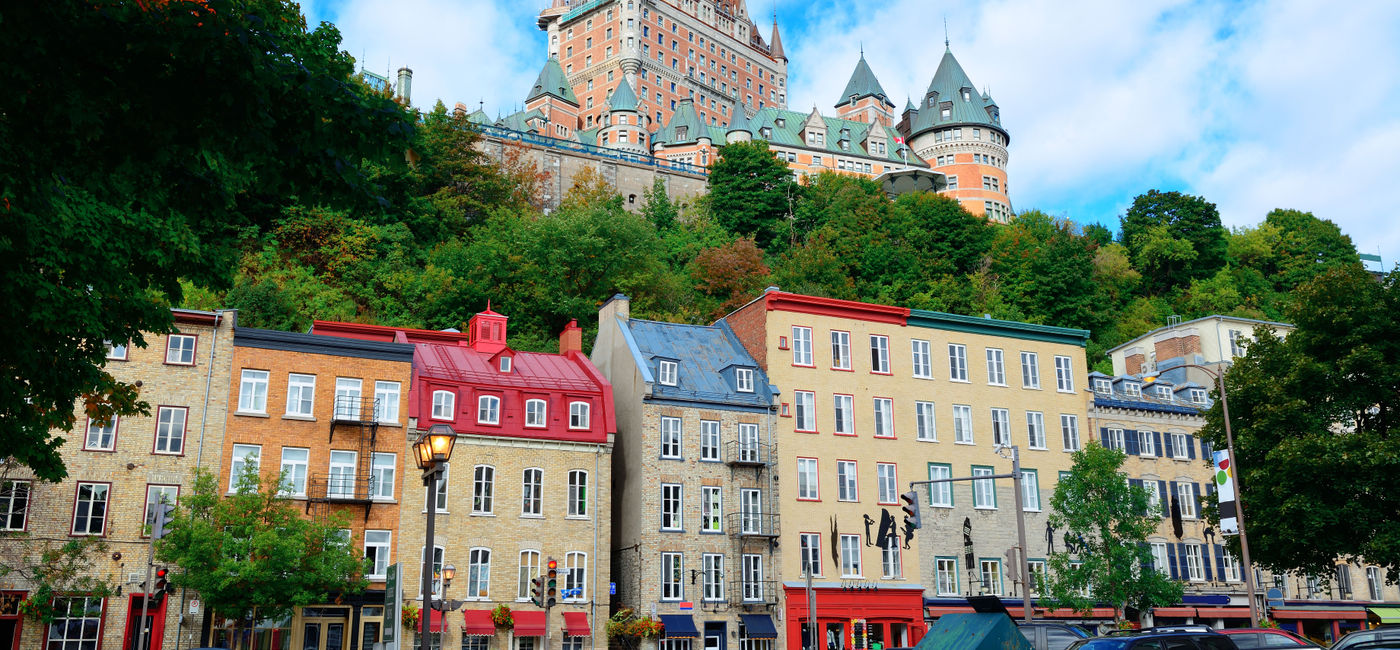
point(751, 191)
point(1108, 519)
point(1191, 245)
point(141, 157)
point(1046, 269)
point(1315, 422)
point(658, 208)
point(1307, 247)
point(255, 551)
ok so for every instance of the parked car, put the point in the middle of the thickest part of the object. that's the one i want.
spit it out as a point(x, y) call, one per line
point(1185, 637)
point(1052, 636)
point(1260, 638)
point(1387, 635)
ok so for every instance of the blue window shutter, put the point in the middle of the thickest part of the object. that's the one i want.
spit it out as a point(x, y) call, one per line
point(1171, 561)
point(1190, 446)
point(1168, 449)
point(1130, 440)
point(1182, 569)
point(1103, 437)
point(1205, 448)
point(1196, 488)
point(1165, 498)
point(1159, 448)
point(1219, 561)
point(1145, 554)
point(1205, 561)
point(1135, 482)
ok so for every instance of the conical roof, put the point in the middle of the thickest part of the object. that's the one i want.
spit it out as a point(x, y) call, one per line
point(863, 84)
point(952, 89)
point(909, 105)
point(775, 44)
point(685, 125)
point(623, 99)
point(739, 120)
point(552, 82)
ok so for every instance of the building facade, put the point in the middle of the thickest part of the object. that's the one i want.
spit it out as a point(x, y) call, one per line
point(876, 396)
point(695, 478)
point(1212, 341)
point(117, 472)
point(529, 481)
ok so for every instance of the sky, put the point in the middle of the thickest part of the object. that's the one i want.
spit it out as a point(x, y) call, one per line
point(1254, 105)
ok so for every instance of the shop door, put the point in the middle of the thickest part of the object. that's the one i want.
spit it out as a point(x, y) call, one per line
point(371, 627)
point(325, 630)
point(146, 635)
point(9, 634)
point(714, 635)
point(835, 638)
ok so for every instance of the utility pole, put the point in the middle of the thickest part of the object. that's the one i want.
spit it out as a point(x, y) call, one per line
point(811, 607)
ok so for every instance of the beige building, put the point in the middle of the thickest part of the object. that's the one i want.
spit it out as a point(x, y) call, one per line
point(1208, 341)
point(117, 472)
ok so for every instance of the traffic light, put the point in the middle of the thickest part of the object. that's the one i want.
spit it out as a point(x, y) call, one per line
point(162, 585)
point(160, 518)
point(551, 583)
point(911, 509)
point(537, 591)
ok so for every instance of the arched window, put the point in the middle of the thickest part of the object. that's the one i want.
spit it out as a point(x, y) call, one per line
point(488, 409)
point(444, 401)
point(578, 415)
point(534, 413)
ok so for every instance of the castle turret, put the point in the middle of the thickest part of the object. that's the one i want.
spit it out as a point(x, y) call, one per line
point(864, 100)
point(554, 98)
point(623, 128)
point(739, 128)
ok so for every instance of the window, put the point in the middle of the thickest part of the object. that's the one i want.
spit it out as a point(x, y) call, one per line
point(811, 553)
point(751, 572)
point(483, 489)
point(962, 424)
point(576, 576)
point(1195, 567)
point(1164, 393)
point(578, 493)
point(444, 403)
point(946, 576)
point(940, 494)
point(671, 438)
point(850, 556)
point(441, 501)
point(1069, 431)
point(1030, 490)
point(341, 483)
point(807, 479)
point(671, 506)
point(478, 574)
point(667, 371)
point(743, 380)
point(1179, 445)
point(245, 459)
point(1037, 577)
point(1238, 343)
point(1035, 429)
point(991, 576)
point(179, 349)
point(1186, 498)
point(806, 413)
point(1373, 581)
point(996, 367)
point(77, 624)
point(14, 505)
point(1030, 370)
point(1230, 568)
point(115, 351)
point(846, 481)
point(923, 368)
point(891, 565)
point(711, 513)
point(488, 409)
point(347, 398)
point(984, 493)
point(101, 436)
point(1103, 386)
point(801, 346)
point(529, 570)
point(844, 410)
point(1132, 390)
point(1159, 557)
point(294, 464)
point(301, 392)
point(534, 413)
point(531, 496)
point(709, 440)
point(1147, 443)
point(1001, 427)
point(90, 509)
point(880, 354)
point(376, 553)
point(386, 401)
point(170, 429)
point(1198, 395)
point(1113, 439)
point(884, 417)
point(888, 487)
point(382, 474)
point(923, 417)
point(712, 565)
point(578, 415)
point(672, 586)
point(751, 511)
point(1154, 498)
point(156, 495)
point(957, 362)
point(840, 350)
point(1064, 377)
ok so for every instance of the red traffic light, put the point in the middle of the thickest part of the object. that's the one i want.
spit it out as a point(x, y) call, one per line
point(161, 572)
point(553, 565)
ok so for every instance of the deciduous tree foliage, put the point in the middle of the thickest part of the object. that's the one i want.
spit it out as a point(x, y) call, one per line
point(1315, 419)
point(751, 191)
point(1173, 237)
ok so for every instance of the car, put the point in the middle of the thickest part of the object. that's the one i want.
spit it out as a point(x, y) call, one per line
point(1388, 634)
point(1187, 637)
point(1052, 636)
point(1260, 638)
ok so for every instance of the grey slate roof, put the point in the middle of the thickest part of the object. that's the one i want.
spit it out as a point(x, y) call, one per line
point(790, 135)
point(623, 99)
point(706, 357)
point(948, 85)
point(552, 82)
point(863, 84)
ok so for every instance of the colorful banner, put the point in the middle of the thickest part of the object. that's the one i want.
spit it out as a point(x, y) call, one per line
point(1225, 490)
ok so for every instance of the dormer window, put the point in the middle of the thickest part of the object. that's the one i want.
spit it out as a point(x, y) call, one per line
point(743, 380)
point(766, 132)
point(682, 132)
point(1198, 395)
point(443, 403)
point(667, 373)
point(1132, 390)
point(505, 364)
point(1164, 393)
point(781, 122)
point(1103, 386)
point(488, 410)
point(967, 95)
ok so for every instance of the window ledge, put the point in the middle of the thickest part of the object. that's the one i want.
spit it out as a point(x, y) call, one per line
point(483, 514)
point(250, 414)
point(525, 516)
point(578, 517)
point(302, 418)
point(963, 442)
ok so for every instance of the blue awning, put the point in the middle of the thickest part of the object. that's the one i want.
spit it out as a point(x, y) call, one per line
point(759, 626)
point(679, 626)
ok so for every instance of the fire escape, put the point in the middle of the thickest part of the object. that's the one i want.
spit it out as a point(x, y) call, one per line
point(754, 532)
point(351, 480)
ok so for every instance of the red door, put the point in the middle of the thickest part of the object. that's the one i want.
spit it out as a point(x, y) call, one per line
point(146, 636)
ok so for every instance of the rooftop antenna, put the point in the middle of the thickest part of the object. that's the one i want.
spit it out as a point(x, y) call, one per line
point(946, 43)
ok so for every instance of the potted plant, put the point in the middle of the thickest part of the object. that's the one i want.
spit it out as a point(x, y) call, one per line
point(629, 630)
point(502, 617)
point(411, 616)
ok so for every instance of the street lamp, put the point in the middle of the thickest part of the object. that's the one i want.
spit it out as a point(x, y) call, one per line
point(432, 450)
point(1248, 568)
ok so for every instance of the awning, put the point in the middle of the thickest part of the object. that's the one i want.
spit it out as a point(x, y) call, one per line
point(1222, 612)
point(1174, 612)
point(679, 626)
point(435, 621)
point(759, 626)
point(528, 623)
point(477, 622)
point(576, 624)
point(1317, 614)
point(1097, 612)
point(1386, 614)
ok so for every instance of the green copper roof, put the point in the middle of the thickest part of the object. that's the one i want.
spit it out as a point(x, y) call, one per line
point(519, 121)
point(909, 105)
point(553, 82)
point(479, 117)
point(623, 99)
point(789, 134)
point(951, 88)
point(863, 84)
point(685, 126)
point(995, 327)
point(739, 120)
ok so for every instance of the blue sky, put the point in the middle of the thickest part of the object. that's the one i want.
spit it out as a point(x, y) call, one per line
point(1253, 105)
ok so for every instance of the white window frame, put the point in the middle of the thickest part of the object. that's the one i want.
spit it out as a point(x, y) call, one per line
point(984, 492)
point(170, 430)
point(386, 401)
point(1132, 389)
point(1035, 430)
point(252, 391)
point(672, 580)
point(672, 507)
point(891, 562)
point(804, 411)
point(576, 576)
point(1198, 395)
point(712, 572)
point(1114, 438)
point(352, 388)
point(444, 405)
point(921, 358)
point(578, 415)
point(1232, 568)
point(340, 480)
point(743, 380)
point(957, 362)
point(301, 395)
point(81, 615)
point(1159, 557)
point(1030, 370)
point(1064, 374)
point(157, 493)
point(1195, 568)
point(962, 424)
point(1147, 443)
point(884, 417)
point(101, 436)
point(989, 570)
point(528, 570)
point(847, 487)
point(996, 367)
point(880, 354)
point(488, 409)
point(1069, 431)
point(801, 346)
point(1103, 386)
point(1001, 426)
point(926, 428)
point(1179, 442)
point(808, 480)
point(850, 556)
point(1186, 498)
point(116, 351)
point(810, 553)
point(296, 463)
point(843, 412)
point(751, 577)
point(840, 350)
point(483, 490)
point(940, 495)
point(240, 458)
point(536, 413)
point(1373, 582)
point(1030, 490)
point(711, 509)
point(478, 574)
point(15, 499)
point(887, 483)
point(945, 571)
point(96, 489)
point(180, 351)
point(709, 440)
point(383, 472)
point(670, 438)
point(532, 492)
point(381, 541)
point(578, 493)
point(667, 372)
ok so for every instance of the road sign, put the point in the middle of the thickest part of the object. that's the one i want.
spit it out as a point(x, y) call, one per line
point(1275, 597)
point(612, 588)
point(685, 604)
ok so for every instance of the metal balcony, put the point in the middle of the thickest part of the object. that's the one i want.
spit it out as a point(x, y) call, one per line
point(753, 592)
point(341, 488)
point(349, 409)
point(749, 524)
point(751, 454)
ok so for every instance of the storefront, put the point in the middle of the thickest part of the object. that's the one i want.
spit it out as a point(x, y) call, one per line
point(357, 625)
point(856, 618)
point(1322, 623)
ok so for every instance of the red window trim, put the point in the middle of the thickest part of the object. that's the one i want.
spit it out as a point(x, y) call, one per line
point(856, 463)
point(814, 415)
point(811, 342)
point(101, 619)
point(818, 475)
point(896, 485)
point(155, 433)
point(893, 429)
point(855, 432)
point(116, 430)
point(107, 513)
point(146, 505)
point(194, 354)
point(848, 352)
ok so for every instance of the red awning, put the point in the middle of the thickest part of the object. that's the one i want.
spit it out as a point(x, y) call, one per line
point(529, 623)
point(1323, 614)
point(1223, 612)
point(1174, 612)
point(477, 622)
point(576, 624)
point(1097, 612)
point(435, 621)
point(939, 611)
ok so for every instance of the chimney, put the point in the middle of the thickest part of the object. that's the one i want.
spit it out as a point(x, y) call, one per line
point(619, 307)
point(571, 339)
point(405, 84)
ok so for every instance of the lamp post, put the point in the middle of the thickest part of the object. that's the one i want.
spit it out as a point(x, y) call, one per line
point(1248, 568)
point(432, 450)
